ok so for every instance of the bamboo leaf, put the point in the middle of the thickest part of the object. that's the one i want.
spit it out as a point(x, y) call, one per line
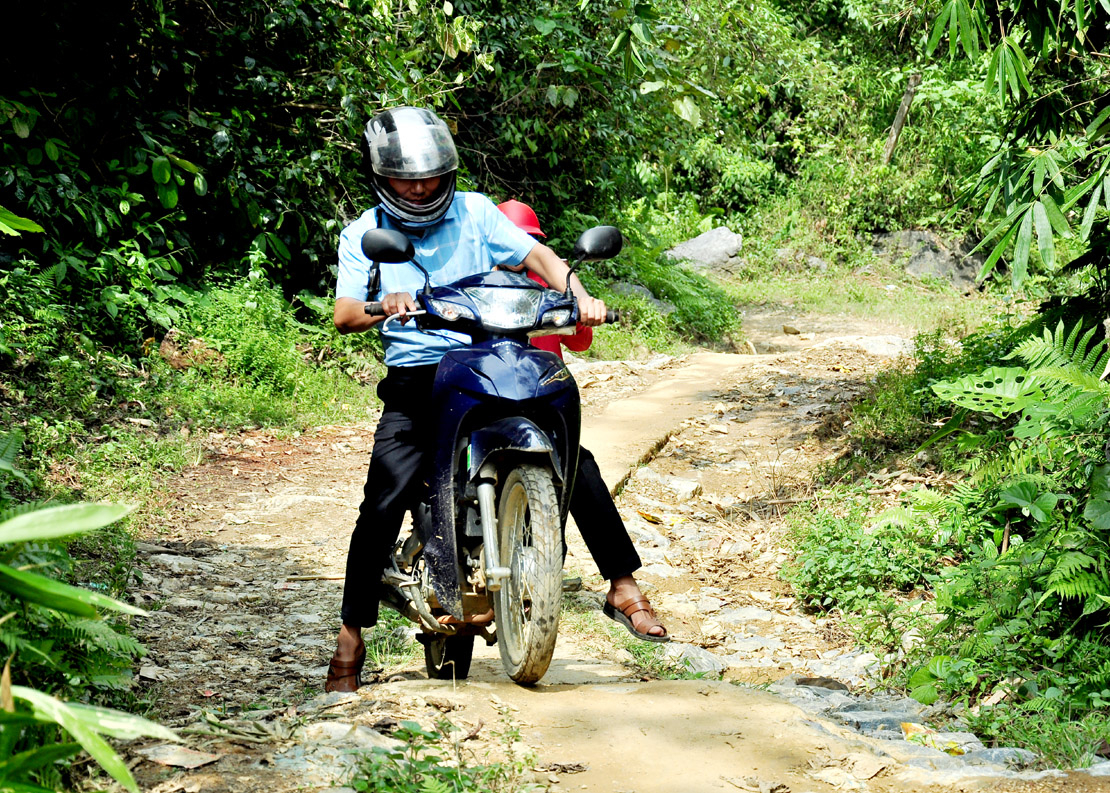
point(1038, 173)
point(1054, 168)
point(1056, 217)
point(1089, 214)
point(996, 254)
point(1094, 129)
point(941, 25)
point(968, 38)
point(56, 595)
point(1045, 242)
point(54, 522)
point(953, 30)
point(1021, 250)
point(1010, 219)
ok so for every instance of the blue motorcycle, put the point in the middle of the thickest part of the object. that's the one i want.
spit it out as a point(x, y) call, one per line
point(485, 554)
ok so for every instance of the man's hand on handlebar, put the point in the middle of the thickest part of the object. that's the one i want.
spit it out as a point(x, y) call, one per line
point(591, 311)
point(399, 303)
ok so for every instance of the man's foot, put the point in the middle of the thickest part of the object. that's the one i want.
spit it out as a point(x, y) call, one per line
point(626, 604)
point(345, 669)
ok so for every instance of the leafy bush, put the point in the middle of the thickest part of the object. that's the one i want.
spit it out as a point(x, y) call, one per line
point(433, 760)
point(846, 561)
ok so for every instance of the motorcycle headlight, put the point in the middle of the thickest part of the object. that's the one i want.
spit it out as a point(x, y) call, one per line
point(450, 311)
point(557, 317)
point(506, 309)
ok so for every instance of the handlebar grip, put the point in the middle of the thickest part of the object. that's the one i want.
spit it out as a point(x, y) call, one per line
point(374, 309)
point(612, 317)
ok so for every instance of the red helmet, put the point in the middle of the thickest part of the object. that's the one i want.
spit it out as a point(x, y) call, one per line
point(522, 216)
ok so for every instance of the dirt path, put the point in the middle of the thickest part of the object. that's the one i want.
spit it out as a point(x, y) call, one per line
point(246, 588)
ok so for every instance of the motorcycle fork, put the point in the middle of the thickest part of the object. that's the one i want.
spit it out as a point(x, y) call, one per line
point(496, 573)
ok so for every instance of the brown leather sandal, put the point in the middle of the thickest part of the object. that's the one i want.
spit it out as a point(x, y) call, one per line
point(345, 676)
point(624, 612)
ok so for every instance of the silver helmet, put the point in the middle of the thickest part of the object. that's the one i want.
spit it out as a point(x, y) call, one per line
point(411, 143)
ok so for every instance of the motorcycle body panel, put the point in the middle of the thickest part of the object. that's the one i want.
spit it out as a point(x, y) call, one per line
point(494, 401)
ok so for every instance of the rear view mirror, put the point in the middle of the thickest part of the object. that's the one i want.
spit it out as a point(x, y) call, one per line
point(596, 244)
point(387, 245)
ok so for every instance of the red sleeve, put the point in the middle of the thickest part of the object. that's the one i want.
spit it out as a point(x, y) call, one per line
point(581, 340)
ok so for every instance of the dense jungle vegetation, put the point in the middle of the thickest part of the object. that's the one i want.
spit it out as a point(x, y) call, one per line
point(173, 179)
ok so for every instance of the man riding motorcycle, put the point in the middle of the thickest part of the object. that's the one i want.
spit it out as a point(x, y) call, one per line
point(410, 161)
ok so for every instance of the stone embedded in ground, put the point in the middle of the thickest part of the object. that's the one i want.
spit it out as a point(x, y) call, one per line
point(1099, 769)
point(1008, 756)
point(658, 570)
point(338, 733)
point(872, 720)
point(924, 253)
point(693, 658)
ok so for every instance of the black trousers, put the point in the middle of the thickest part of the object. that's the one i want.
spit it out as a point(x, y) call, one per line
point(403, 443)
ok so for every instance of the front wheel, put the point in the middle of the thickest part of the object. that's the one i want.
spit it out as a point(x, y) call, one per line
point(447, 657)
point(531, 545)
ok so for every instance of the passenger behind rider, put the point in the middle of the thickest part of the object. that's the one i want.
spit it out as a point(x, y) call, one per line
point(592, 506)
point(410, 161)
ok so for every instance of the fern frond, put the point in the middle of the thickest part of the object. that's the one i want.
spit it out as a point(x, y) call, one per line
point(1076, 377)
point(1082, 585)
point(1068, 564)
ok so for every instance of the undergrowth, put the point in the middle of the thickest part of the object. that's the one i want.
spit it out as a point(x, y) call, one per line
point(1009, 560)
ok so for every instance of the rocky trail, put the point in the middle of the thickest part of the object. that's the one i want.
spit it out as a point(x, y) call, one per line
point(709, 452)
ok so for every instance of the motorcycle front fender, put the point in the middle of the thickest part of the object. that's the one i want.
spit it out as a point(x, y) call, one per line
point(513, 434)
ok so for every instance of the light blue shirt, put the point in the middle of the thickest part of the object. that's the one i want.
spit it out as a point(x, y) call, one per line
point(471, 238)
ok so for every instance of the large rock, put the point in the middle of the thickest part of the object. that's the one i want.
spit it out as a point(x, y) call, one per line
point(927, 254)
point(636, 290)
point(713, 250)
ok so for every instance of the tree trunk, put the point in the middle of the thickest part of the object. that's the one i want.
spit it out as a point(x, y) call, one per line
point(900, 118)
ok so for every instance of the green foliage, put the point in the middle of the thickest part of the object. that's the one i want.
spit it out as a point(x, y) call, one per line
point(28, 751)
point(849, 563)
point(1060, 738)
point(1031, 595)
point(433, 761)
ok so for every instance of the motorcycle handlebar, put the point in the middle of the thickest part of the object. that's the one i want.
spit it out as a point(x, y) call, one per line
point(375, 310)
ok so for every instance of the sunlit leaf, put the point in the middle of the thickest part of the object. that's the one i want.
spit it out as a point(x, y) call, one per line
point(1022, 246)
point(12, 224)
point(61, 714)
point(1000, 391)
point(687, 110)
point(1089, 213)
point(161, 170)
point(1045, 243)
point(53, 594)
point(63, 521)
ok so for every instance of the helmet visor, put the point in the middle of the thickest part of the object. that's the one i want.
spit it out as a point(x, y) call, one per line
point(413, 151)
